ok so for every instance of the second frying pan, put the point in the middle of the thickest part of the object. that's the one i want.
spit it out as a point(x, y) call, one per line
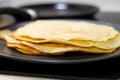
point(50, 11)
point(61, 10)
point(53, 10)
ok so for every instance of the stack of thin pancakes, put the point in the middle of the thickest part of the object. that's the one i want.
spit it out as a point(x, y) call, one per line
point(56, 37)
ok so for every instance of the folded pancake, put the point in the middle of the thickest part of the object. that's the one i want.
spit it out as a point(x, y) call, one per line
point(27, 49)
point(51, 48)
point(56, 37)
point(55, 49)
point(109, 44)
point(48, 48)
point(81, 34)
point(66, 30)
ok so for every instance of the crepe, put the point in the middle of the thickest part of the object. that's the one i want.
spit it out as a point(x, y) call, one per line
point(66, 30)
point(109, 44)
point(56, 37)
point(24, 48)
point(47, 48)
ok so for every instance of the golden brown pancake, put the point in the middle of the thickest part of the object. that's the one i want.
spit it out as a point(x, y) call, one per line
point(50, 48)
point(66, 30)
point(23, 47)
point(56, 37)
point(109, 44)
point(26, 51)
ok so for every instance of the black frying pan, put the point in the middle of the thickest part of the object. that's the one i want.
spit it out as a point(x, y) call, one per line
point(54, 10)
point(63, 10)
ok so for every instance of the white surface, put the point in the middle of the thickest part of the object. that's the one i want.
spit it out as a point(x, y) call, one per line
point(13, 77)
point(104, 5)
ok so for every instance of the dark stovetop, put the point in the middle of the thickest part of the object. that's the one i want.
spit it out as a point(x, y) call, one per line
point(107, 69)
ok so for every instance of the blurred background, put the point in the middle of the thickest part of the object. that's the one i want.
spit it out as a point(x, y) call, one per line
point(105, 10)
point(104, 5)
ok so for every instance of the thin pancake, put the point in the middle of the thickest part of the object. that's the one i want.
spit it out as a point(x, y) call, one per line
point(55, 29)
point(26, 51)
point(51, 48)
point(109, 44)
point(23, 47)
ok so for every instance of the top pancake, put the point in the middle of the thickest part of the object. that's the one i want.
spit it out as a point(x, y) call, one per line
point(66, 30)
